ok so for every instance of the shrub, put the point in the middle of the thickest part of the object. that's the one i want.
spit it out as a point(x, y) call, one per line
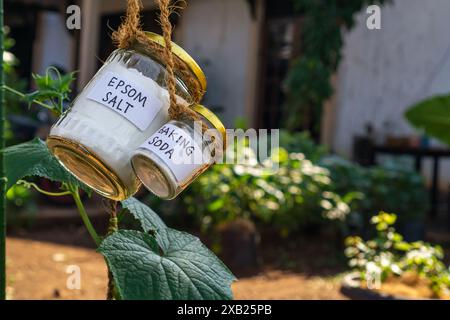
point(297, 193)
point(302, 142)
point(390, 187)
point(389, 255)
point(304, 192)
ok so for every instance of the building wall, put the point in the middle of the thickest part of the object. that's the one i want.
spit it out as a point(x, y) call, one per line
point(53, 46)
point(222, 37)
point(385, 71)
point(91, 12)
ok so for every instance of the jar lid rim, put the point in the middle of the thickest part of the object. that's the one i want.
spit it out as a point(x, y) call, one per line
point(214, 120)
point(183, 55)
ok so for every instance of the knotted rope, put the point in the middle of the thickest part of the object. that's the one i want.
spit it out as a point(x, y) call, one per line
point(130, 34)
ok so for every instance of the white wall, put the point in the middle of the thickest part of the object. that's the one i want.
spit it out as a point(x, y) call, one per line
point(222, 37)
point(91, 12)
point(385, 71)
point(219, 34)
point(53, 45)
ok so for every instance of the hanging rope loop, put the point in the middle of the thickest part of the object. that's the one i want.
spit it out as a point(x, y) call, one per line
point(130, 34)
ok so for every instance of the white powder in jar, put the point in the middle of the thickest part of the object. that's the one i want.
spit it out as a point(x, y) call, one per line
point(113, 118)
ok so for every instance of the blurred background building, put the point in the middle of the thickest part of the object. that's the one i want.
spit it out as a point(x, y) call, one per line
point(246, 47)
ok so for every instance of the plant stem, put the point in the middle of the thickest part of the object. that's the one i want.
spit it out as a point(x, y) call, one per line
point(84, 216)
point(52, 194)
point(47, 193)
point(2, 167)
point(23, 96)
point(113, 226)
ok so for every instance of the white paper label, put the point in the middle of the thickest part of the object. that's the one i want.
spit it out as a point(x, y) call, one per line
point(178, 149)
point(124, 96)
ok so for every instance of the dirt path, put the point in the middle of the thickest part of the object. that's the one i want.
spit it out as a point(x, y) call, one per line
point(38, 270)
point(287, 286)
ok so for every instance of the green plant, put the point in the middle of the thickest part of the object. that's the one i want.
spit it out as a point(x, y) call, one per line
point(302, 142)
point(304, 191)
point(390, 187)
point(286, 192)
point(10, 62)
point(154, 262)
point(52, 90)
point(432, 116)
point(308, 81)
point(14, 107)
point(389, 255)
point(21, 208)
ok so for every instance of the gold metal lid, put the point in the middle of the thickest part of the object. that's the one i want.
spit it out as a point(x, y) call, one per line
point(183, 55)
point(213, 119)
point(88, 168)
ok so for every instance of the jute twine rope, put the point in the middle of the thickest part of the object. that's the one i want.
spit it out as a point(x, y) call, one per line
point(130, 34)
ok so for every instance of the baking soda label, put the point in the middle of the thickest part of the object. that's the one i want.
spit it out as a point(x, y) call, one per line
point(178, 149)
point(124, 96)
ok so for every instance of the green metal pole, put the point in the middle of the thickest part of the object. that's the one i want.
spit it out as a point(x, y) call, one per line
point(2, 167)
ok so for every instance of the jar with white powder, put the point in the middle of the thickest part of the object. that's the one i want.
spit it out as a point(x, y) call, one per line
point(125, 103)
point(175, 155)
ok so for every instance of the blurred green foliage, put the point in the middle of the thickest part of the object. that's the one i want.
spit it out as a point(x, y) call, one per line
point(21, 207)
point(292, 191)
point(285, 192)
point(391, 187)
point(387, 254)
point(302, 142)
point(13, 105)
point(19, 200)
point(308, 82)
point(432, 116)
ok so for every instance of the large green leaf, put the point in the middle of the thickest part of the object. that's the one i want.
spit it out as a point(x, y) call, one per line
point(432, 116)
point(180, 268)
point(34, 159)
point(148, 218)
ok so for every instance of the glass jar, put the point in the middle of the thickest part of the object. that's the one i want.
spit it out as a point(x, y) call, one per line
point(125, 102)
point(175, 155)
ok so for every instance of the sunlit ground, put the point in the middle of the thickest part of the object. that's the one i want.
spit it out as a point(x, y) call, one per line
point(38, 270)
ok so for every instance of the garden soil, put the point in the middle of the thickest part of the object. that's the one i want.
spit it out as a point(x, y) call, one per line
point(38, 269)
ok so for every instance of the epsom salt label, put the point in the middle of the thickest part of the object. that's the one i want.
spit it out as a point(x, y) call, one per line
point(178, 150)
point(121, 93)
